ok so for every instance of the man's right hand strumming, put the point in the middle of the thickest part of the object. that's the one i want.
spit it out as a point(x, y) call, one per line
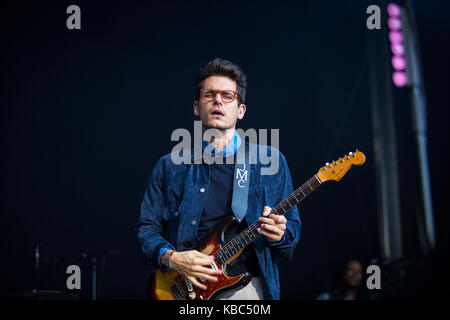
point(193, 265)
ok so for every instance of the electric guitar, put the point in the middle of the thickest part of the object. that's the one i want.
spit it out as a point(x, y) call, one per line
point(169, 285)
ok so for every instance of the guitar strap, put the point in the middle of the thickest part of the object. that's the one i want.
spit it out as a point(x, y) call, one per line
point(241, 180)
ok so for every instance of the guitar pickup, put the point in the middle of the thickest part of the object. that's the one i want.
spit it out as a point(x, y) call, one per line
point(188, 285)
point(177, 291)
point(214, 266)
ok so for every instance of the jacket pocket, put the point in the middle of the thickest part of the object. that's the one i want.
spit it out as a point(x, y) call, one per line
point(172, 199)
point(171, 214)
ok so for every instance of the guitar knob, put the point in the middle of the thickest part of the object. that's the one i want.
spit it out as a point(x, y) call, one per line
point(192, 295)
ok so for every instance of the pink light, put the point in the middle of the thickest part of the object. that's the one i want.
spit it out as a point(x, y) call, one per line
point(396, 37)
point(399, 78)
point(398, 63)
point(393, 10)
point(394, 24)
point(397, 49)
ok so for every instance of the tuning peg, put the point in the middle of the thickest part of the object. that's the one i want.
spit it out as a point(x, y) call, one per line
point(327, 164)
point(350, 153)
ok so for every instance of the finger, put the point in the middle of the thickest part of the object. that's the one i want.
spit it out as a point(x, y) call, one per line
point(266, 220)
point(195, 282)
point(273, 229)
point(278, 219)
point(267, 211)
point(270, 236)
point(207, 270)
point(273, 234)
point(202, 261)
point(206, 277)
point(280, 226)
point(205, 257)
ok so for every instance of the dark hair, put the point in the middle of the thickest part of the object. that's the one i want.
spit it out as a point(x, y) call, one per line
point(337, 288)
point(222, 67)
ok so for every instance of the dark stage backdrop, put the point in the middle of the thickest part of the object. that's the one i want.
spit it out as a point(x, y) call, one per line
point(87, 113)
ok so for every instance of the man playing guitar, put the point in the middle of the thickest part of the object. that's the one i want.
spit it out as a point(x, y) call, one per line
point(182, 202)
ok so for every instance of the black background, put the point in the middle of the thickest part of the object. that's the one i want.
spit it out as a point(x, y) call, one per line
point(87, 113)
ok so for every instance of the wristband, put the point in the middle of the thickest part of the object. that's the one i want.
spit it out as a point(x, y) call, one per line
point(168, 261)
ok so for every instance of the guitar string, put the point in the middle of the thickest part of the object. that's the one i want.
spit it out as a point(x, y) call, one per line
point(313, 183)
point(241, 236)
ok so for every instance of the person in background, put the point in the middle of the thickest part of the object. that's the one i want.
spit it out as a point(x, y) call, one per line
point(348, 285)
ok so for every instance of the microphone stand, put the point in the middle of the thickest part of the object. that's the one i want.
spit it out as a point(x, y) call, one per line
point(94, 259)
point(36, 269)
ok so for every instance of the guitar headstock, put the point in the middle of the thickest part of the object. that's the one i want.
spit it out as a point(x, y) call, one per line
point(337, 169)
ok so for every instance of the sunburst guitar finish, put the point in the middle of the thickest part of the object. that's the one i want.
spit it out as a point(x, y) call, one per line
point(169, 285)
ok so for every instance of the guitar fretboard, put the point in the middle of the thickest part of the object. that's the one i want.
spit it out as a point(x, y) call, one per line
point(251, 233)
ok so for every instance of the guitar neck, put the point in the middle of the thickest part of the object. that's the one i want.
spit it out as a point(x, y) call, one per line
point(250, 234)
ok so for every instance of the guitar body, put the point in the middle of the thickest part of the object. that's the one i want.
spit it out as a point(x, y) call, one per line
point(169, 285)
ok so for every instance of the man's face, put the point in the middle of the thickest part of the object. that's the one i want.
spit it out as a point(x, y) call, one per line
point(217, 113)
point(353, 274)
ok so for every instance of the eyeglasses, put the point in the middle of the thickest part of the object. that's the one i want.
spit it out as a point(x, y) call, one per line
point(226, 95)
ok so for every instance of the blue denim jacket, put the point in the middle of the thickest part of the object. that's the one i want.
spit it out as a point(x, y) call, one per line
point(173, 203)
